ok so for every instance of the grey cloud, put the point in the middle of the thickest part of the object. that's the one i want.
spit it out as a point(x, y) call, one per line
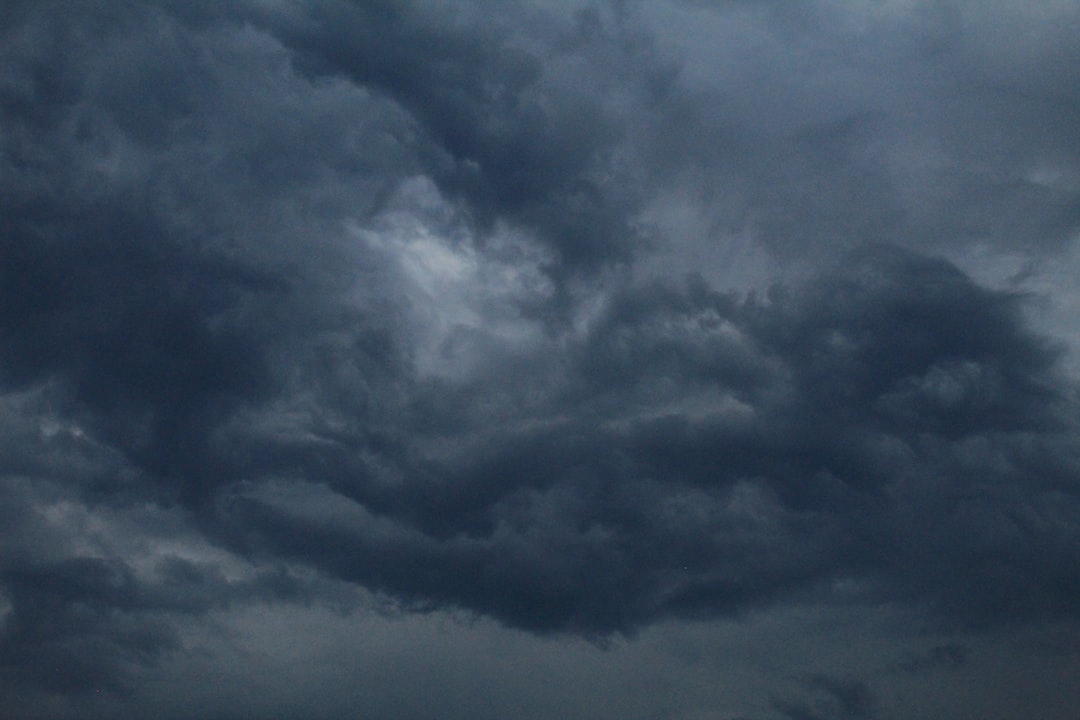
point(526, 128)
point(742, 450)
point(832, 698)
point(876, 123)
point(297, 297)
point(950, 655)
point(82, 626)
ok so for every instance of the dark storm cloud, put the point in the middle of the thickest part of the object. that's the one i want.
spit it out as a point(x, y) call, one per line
point(143, 266)
point(143, 290)
point(722, 453)
point(272, 272)
point(141, 359)
point(526, 127)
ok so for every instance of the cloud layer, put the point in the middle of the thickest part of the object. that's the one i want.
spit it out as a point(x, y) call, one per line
point(586, 319)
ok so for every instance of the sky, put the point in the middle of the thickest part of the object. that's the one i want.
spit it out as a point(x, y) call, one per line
point(666, 360)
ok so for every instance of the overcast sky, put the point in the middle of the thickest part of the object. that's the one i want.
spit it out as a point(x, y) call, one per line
point(650, 360)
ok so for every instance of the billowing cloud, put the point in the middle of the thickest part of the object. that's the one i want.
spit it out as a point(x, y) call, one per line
point(553, 320)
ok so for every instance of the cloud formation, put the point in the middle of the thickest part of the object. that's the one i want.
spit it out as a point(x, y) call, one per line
point(581, 318)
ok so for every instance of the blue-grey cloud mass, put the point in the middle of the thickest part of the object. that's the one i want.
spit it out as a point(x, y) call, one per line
point(429, 359)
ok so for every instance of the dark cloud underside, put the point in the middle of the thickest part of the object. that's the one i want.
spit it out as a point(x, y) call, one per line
point(578, 317)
